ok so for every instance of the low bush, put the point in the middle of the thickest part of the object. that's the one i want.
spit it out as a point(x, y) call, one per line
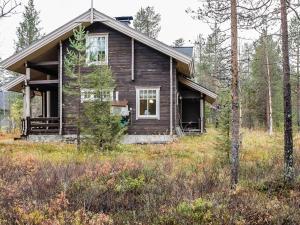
point(55, 184)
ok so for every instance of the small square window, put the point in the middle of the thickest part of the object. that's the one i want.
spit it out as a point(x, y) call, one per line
point(89, 95)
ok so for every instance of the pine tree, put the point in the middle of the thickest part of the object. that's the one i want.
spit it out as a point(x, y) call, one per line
point(147, 21)
point(29, 29)
point(288, 128)
point(74, 61)
point(213, 69)
point(255, 86)
point(294, 30)
point(221, 12)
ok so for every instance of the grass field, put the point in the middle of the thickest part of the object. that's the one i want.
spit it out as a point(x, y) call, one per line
point(185, 182)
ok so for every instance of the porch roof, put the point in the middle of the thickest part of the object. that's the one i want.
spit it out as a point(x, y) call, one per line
point(14, 85)
point(210, 96)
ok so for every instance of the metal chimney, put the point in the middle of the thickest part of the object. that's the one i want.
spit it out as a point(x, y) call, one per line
point(125, 19)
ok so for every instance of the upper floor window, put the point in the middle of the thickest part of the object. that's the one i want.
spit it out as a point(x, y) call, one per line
point(97, 49)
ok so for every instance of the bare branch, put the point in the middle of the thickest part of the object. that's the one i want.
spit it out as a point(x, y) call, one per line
point(8, 7)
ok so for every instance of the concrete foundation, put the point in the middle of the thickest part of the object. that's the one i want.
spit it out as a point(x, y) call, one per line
point(127, 139)
point(148, 139)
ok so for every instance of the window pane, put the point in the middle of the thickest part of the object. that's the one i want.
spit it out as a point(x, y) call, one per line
point(96, 49)
point(152, 107)
point(143, 107)
point(147, 101)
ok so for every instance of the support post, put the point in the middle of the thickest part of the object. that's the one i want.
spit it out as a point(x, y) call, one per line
point(171, 96)
point(60, 88)
point(26, 101)
point(27, 93)
point(202, 114)
point(48, 97)
point(24, 121)
point(44, 103)
point(132, 59)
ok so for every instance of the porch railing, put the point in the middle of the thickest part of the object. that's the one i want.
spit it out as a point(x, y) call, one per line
point(40, 125)
point(192, 126)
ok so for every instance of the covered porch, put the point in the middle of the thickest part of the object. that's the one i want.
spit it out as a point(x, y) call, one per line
point(192, 99)
point(41, 86)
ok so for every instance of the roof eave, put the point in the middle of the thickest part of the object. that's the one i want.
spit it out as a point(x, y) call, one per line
point(44, 41)
point(98, 17)
point(10, 85)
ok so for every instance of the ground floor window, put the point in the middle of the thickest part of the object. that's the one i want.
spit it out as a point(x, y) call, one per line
point(88, 95)
point(147, 103)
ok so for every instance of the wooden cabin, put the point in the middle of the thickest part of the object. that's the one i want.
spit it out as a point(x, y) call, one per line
point(154, 86)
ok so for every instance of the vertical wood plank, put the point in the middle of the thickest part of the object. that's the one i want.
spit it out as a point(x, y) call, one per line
point(132, 59)
point(60, 88)
point(27, 93)
point(48, 97)
point(202, 113)
point(171, 96)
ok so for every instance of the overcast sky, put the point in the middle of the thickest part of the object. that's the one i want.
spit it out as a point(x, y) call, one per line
point(175, 22)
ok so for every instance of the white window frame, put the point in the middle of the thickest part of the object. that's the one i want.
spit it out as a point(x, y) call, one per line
point(92, 97)
point(138, 116)
point(105, 35)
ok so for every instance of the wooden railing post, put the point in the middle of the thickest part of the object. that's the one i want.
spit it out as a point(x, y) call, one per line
point(28, 127)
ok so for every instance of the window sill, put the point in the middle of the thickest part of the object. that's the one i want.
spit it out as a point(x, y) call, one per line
point(97, 63)
point(147, 118)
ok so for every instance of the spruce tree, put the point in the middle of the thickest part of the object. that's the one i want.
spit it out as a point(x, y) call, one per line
point(29, 29)
point(147, 21)
point(99, 128)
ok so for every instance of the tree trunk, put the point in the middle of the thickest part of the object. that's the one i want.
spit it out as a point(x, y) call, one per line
point(298, 86)
point(235, 127)
point(288, 131)
point(270, 110)
point(79, 107)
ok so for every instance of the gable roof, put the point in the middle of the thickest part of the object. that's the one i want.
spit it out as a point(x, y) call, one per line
point(66, 31)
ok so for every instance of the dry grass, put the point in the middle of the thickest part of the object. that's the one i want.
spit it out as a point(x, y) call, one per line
point(185, 182)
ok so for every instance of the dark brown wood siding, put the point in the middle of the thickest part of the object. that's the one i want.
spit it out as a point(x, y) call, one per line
point(152, 68)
